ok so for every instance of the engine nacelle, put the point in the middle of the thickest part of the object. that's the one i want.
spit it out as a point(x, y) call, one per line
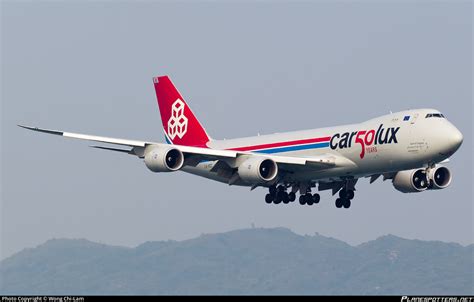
point(163, 159)
point(257, 170)
point(410, 181)
point(440, 178)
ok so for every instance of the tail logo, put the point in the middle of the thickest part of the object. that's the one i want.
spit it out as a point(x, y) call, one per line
point(178, 122)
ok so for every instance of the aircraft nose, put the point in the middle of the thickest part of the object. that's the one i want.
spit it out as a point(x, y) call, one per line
point(454, 139)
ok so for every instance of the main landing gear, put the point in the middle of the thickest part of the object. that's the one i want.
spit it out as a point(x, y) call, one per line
point(309, 199)
point(345, 197)
point(279, 195)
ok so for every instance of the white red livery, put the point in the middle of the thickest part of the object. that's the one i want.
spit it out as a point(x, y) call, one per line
point(408, 147)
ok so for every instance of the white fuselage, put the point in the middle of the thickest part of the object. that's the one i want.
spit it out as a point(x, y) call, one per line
point(394, 142)
point(404, 146)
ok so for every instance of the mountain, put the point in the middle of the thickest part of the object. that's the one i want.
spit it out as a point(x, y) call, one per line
point(252, 261)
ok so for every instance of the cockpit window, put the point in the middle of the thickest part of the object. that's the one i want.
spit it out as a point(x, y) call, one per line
point(439, 115)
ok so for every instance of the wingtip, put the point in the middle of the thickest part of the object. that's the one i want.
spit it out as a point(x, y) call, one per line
point(28, 127)
point(55, 132)
point(24, 127)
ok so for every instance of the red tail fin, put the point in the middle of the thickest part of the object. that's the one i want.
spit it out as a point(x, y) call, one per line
point(179, 123)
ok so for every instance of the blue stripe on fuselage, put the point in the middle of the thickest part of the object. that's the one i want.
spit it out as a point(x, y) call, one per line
point(293, 148)
point(285, 149)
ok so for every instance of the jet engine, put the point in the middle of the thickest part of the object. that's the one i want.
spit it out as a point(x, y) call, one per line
point(410, 181)
point(440, 178)
point(257, 170)
point(163, 159)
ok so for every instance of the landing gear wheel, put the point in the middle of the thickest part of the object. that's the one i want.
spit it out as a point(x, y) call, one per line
point(342, 193)
point(302, 200)
point(278, 198)
point(292, 196)
point(309, 199)
point(281, 196)
point(316, 198)
point(285, 198)
point(347, 203)
point(350, 194)
point(272, 190)
point(346, 194)
point(269, 198)
point(339, 203)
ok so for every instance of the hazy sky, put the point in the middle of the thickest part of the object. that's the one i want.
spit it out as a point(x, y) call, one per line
point(244, 69)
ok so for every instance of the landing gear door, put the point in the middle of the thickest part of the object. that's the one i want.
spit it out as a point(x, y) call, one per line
point(417, 145)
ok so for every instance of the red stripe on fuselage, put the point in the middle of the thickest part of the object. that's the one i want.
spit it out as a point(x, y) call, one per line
point(283, 144)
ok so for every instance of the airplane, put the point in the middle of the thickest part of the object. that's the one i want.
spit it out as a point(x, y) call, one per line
point(408, 147)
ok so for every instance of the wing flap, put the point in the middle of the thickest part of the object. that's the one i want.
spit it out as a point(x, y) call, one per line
point(208, 153)
point(114, 149)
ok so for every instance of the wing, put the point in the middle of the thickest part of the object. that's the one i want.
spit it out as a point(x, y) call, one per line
point(101, 139)
point(137, 146)
point(198, 154)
